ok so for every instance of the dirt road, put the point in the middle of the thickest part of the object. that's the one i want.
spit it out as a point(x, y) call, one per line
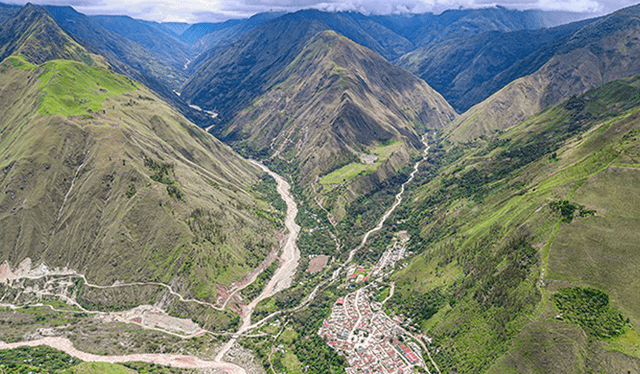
point(396, 203)
point(173, 360)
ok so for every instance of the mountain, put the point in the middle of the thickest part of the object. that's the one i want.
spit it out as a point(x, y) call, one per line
point(599, 52)
point(468, 70)
point(231, 74)
point(129, 57)
point(7, 11)
point(527, 243)
point(239, 74)
point(427, 29)
point(232, 78)
point(195, 32)
point(175, 27)
point(222, 36)
point(34, 35)
point(102, 177)
point(165, 46)
point(334, 104)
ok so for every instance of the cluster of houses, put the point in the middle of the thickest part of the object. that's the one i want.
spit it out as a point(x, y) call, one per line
point(371, 341)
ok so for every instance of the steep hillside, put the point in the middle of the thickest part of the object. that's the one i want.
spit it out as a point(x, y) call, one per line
point(597, 53)
point(242, 72)
point(426, 30)
point(468, 70)
point(195, 32)
point(7, 11)
point(101, 176)
point(526, 243)
point(209, 40)
point(230, 79)
point(128, 57)
point(162, 44)
point(33, 34)
point(335, 105)
point(231, 75)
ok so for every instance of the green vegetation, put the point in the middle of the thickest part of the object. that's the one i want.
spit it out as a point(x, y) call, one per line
point(301, 345)
point(99, 368)
point(267, 188)
point(590, 309)
point(131, 191)
point(419, 307)
point(162, 174)
point(74, 88)
point(145, 368)
point(485, 240)
point(254, 289)
point(568, 210)
point(20, 62)
point(41, 359)
point(349, 172)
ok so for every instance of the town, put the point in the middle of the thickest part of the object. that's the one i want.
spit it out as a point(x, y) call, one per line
point(370, 340)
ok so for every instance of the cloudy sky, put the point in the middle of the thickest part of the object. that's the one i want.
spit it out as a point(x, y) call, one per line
point(219, 10)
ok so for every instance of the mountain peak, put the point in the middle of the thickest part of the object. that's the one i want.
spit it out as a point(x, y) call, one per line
point(35, 35)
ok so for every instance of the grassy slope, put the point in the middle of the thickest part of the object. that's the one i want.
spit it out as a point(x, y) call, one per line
point(153, 197)
point(70, 88)
point(498, 191)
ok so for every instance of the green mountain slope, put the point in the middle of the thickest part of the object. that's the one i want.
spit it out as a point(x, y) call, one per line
point(334, 104)
point(517, 229)
point(598, 53)
point(102, 177)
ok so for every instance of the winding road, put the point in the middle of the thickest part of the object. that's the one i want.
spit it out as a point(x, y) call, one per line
point(393, 207)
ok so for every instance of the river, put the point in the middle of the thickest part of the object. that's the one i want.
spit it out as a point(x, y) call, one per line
point(289, 259)
point(281, 280)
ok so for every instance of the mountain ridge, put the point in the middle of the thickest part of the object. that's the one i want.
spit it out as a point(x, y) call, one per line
point(597, 53)
point(324, 120)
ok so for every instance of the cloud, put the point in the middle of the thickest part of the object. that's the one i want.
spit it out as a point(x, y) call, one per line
point(220, 10)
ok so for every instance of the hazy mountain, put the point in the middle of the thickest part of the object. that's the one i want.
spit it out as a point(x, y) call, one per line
point(597, 53)
point(468, 70)
point(7, 11)
point(163, 45)
point(209, 44)
point(335, 102)
point(176, 27)
point(196, 31)
point(424, 30)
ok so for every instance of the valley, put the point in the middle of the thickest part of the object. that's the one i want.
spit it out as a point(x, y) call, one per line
point(315, 191)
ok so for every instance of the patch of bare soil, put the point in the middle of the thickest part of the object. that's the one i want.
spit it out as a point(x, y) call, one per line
point(317, 263)
point(173, 360)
